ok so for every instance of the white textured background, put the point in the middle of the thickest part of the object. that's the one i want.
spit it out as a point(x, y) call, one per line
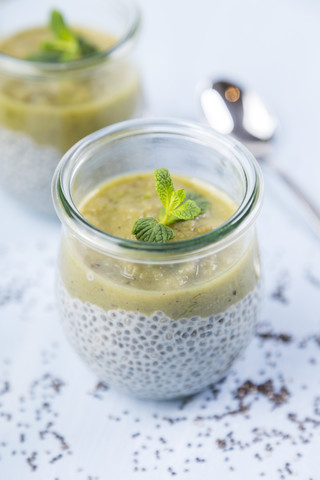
point(56, 421)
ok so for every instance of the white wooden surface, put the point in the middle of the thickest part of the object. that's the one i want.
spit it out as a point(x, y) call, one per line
point(56, 420)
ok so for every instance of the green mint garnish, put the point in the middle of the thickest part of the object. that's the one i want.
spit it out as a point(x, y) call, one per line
point(150, 230)
point(177, 206)
point(201, 201)
point(67, 45)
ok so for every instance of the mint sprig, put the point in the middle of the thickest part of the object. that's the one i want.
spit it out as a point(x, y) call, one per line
point(65, 46)
point(177, 205)
point(201, 201)
point(150, 230)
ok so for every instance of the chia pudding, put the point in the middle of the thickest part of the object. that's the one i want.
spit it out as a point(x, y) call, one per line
point(158, 329)
point(155, 356)
point(47, 107)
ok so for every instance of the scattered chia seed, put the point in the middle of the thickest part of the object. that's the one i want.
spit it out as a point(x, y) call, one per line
point(266, 389)
point(312, 279)
point(279, 337)
point(99, 390)
point(55, 459)
point(30, 461)
point(63, 444)
point(12, 293)
point(5, 388)
point(57, 384)
point(279, 294)
point(221, 443)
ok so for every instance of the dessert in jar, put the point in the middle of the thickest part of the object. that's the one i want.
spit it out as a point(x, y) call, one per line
point(49, 102)
point(158, 315)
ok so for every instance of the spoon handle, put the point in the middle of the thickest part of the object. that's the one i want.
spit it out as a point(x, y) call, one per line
point(310, 207)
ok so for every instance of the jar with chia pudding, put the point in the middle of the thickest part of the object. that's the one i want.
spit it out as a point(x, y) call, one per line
point(49, 102)
point(158, 319)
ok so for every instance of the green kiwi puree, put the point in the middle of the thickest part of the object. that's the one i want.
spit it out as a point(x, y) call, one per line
point(199, 286)
point(58, 109)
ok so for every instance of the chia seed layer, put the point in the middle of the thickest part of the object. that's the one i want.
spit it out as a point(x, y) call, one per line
point(27, 169)
point(154, 356)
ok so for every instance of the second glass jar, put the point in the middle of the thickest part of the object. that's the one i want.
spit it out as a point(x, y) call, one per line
point(47, 107)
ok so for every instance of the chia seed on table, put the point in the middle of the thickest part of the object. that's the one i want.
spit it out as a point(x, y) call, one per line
point(260, 435)
point(279, 337)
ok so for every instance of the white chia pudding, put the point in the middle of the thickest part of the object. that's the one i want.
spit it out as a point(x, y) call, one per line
point(27, 169)
point(154, 356)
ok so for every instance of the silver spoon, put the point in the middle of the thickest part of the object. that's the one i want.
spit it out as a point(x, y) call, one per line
point(229, 109)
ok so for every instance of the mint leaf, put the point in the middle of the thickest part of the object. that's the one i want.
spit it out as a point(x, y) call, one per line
point(67, 44)
point(164, 186)
point(86, 47)
point(201, 201)
point(186, 211)
point(150, 230)
point(61, 47)
point(176, 206)
point(177, 198)
point(170, 198)
point(59, 27)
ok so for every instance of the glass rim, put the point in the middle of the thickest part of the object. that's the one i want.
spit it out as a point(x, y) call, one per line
point(214, 240)
point(32, 67)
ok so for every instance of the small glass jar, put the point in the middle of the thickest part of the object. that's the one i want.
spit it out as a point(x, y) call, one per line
point(182, 329)
point(47, 107)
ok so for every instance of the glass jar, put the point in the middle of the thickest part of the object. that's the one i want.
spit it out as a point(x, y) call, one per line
point(159, 320)
point(47, 107)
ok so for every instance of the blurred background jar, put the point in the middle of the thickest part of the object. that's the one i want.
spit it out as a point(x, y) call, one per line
point(45, 106)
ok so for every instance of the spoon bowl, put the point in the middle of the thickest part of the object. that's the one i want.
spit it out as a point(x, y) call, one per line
point(233, 110)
